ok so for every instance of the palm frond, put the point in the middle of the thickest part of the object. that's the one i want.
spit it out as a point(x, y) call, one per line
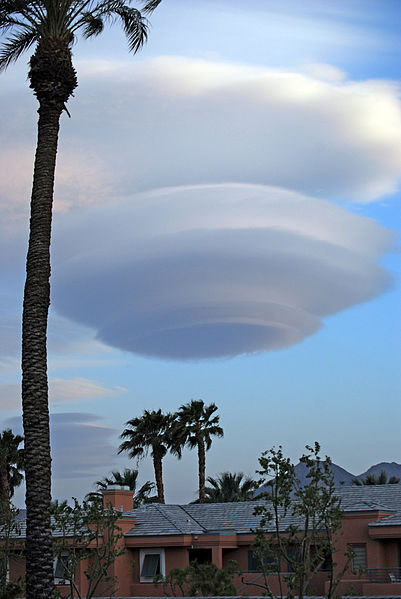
point(15, 46)
point(93, 25)
point(135, 27)
point(150, 6)
point(7, 22)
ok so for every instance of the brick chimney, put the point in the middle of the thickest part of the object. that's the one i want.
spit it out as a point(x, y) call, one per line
point(121, 498)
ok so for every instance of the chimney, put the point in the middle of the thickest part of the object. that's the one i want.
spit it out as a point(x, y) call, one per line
point(121, 498)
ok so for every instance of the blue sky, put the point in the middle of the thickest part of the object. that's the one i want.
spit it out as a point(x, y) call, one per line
point(226, 228)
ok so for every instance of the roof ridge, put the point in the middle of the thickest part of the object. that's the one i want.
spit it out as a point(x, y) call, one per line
point(193, 518)
point(165, 515)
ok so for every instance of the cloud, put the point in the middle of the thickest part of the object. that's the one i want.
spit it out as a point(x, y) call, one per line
point(212, 271)
point(185, 121)
point(10, 332)
point(61, 391)
point(82, 178)
point(81, 448)
point(173, 121)
point(66, 340)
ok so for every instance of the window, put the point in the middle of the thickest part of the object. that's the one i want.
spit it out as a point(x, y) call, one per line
point(151, 563)
point(270, 562)
point(359, 559)
point(293, 559)
point(321, 555)
point(61, 569)
point(200, 556)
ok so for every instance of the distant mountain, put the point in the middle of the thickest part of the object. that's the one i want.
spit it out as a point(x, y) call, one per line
point(390, 468)
point(341, 476)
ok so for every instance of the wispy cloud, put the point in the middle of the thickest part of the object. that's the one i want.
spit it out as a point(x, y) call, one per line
point(61, 391)
point(81, 446)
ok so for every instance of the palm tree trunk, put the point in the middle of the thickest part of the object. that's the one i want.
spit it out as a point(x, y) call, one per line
point(202, 470)
point(158, 467)
point(39, 550)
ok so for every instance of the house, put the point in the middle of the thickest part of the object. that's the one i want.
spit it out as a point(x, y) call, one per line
point(159, 537)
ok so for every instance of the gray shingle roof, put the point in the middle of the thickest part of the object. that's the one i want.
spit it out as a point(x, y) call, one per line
point(238, 518)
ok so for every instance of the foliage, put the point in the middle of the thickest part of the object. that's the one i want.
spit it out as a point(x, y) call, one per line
point(33, 20)
point(10, 547)
point(203, 580)
point(87, 532)
point(195, 425)
point(309, 544)
point(127, 478)
point(376, 479)
point(11, 464)
point(230, 487)
point(149, 432)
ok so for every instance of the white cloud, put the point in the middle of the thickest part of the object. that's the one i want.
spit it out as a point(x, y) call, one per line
point(176, 121)
point(183, 121)
point(209, 271)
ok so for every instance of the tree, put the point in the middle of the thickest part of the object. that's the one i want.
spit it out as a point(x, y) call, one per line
point(128, 478)
point(86, 532)
point(199, 580)
point(376, 479)
point(150, 432)
point(230, 487)
point(308, 542)
point(50, 27)
point(11, 464)
point(195, 426)
point(10, 548)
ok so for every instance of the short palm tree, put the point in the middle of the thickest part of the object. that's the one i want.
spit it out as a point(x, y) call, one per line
point(150, 432)
point(11, 464)
point(376, 479)
point(127, 478)
point(49, 27)
point(195, 426)
point(230, 486)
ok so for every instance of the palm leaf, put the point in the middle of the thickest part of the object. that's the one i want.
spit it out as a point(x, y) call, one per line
point(150, 6)
point(135, 27)
point(93, 25)
point(15, 46)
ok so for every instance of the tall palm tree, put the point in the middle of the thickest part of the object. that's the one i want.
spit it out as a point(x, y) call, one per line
point(127, 478)
point(229, 486)
point(150, 432)
point(195, 426)
point(11, 464)
point(50, 28)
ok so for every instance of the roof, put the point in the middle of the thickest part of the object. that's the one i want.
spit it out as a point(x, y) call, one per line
point(238, 518)
point(153, 520)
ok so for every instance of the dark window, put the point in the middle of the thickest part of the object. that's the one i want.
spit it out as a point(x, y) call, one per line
point(270, 562)
point(200, 556)
point(150, 565)
point(317, 556)
point(61, 566)
point(359, 559)
point(293, 559)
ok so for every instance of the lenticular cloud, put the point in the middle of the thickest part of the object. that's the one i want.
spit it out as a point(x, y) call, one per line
point(214, 270)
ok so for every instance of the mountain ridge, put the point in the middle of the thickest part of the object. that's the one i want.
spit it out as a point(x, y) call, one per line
point(344, 477)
